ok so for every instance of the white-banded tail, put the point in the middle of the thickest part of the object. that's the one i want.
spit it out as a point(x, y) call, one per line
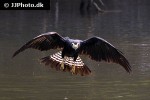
point(56, 59)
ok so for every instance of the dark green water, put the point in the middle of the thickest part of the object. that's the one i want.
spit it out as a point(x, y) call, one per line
point(125, 25)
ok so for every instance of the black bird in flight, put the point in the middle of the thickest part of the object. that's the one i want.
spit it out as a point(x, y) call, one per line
point(68, 58)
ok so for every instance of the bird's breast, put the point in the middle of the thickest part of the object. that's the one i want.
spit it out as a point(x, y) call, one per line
point(70, 52)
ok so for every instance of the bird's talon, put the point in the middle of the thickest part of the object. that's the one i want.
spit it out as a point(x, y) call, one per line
point(73, 69)
point(62, 66)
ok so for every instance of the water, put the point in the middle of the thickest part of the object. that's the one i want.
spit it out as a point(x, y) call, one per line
point(125, 24)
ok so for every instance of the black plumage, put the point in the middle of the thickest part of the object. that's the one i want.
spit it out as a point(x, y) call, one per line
point(100, 50)
point(96, 48)
point(43, 42)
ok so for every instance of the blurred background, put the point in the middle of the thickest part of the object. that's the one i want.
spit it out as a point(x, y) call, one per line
point(124, 23)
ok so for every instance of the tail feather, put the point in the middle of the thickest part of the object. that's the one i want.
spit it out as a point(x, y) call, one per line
point(84, 70)
point(54, 61)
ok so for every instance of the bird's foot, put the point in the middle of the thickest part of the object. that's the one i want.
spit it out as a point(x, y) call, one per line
point(73, 69)
point(62, 66)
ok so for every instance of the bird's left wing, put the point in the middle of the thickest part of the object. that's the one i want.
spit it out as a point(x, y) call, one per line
point(100, 50)
point(43, 42)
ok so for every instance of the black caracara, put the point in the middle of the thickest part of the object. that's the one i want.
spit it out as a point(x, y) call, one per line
point(68, 58)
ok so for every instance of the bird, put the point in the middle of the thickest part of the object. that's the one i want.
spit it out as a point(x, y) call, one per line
point(68, 56)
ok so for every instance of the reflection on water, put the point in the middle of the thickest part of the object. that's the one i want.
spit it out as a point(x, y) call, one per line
point(24, 78)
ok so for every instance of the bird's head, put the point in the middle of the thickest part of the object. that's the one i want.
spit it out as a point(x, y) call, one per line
point(75, 45)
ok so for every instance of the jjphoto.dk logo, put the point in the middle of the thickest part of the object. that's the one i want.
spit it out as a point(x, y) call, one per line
point(25, 5)
point(39, 4)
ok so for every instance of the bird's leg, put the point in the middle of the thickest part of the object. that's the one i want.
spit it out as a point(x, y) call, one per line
point(73, 68)
point(63, 59)
point(62, 64)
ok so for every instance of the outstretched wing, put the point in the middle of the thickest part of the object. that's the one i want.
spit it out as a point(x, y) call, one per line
point(100, 50)
point(43, 42)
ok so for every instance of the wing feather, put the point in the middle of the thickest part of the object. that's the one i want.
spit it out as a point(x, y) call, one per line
point(99, 49)
point(43, 42)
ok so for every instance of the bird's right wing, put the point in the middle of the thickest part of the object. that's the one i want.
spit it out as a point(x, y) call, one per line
point(43, 42)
